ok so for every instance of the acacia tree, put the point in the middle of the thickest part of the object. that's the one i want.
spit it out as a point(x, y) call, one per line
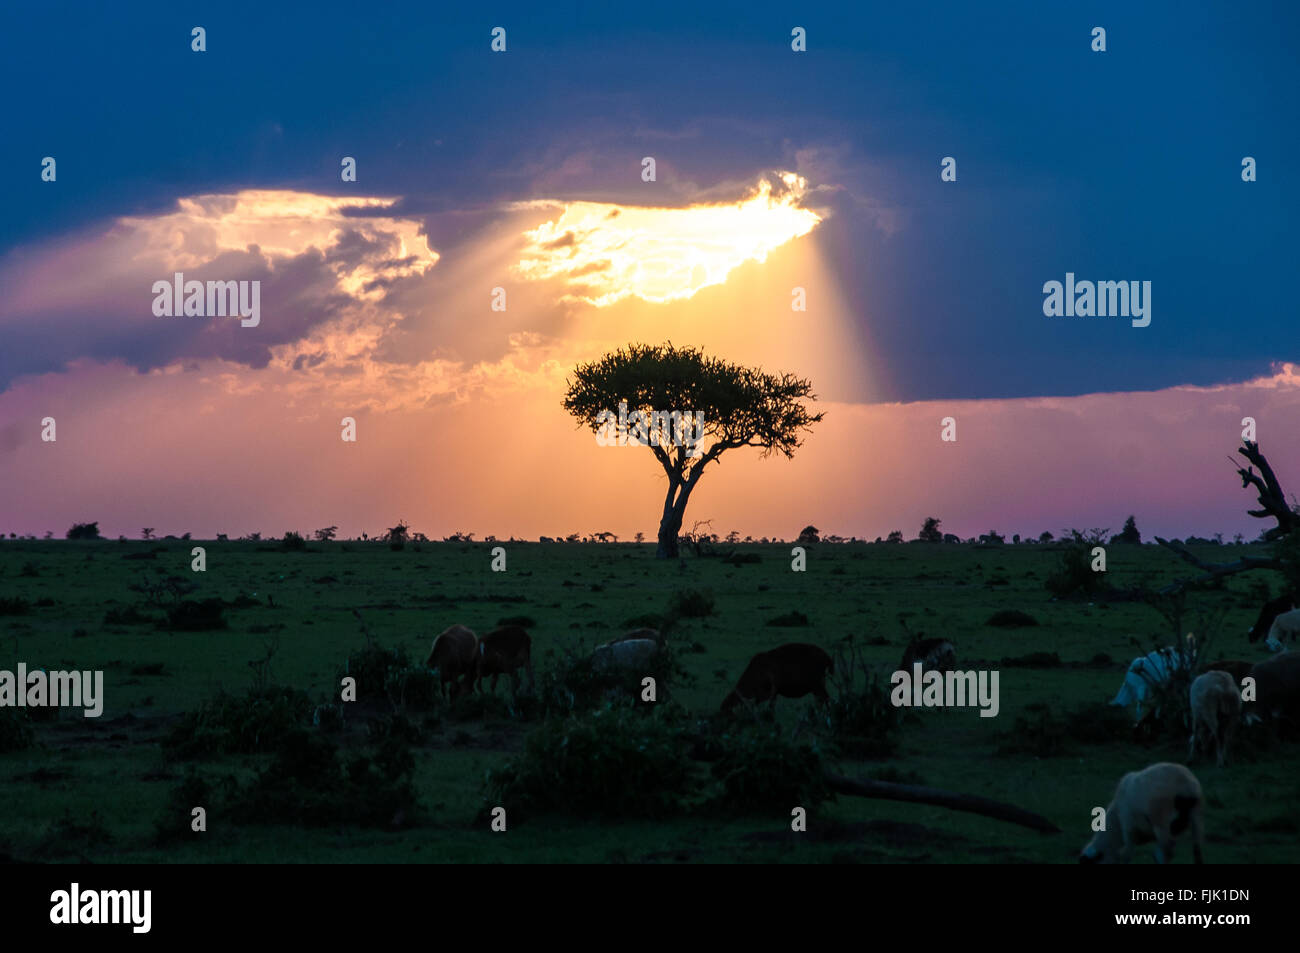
point(740, 407)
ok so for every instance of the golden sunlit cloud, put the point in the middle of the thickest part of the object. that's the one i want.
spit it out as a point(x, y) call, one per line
point(606, 252)
point(284, 224)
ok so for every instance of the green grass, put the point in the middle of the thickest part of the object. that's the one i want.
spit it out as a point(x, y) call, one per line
point(110, 773)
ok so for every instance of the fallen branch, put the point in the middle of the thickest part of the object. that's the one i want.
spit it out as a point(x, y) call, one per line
point(970, 803)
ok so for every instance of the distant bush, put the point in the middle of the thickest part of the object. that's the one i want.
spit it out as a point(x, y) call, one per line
point(190, 616)
point(791, 619)
point(128, 616)
point(16, 733)
point(1037, 731)
point(238, 724)
point(14, 606)
point(1011, 618)
point(613, 762)
point(1032, 660)
point(84, 531)
point(691, 604)
point(293, 542)
point(525, 621)
point(1074, 572)
point(648, 621)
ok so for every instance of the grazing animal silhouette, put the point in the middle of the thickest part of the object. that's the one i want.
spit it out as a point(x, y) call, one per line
point(505, 651)
point(1277, 687)
point(455, 655)
point(791, 671)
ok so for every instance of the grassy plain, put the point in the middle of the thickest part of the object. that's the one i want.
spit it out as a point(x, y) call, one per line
point(93, 788)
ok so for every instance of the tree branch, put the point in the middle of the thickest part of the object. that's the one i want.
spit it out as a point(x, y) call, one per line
point(1213, 570)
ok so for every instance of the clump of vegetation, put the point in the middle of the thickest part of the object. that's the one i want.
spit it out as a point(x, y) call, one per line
point(1074, 573)
point(1038, 731)
point(84, 531)
point(1032, 660)
point(16, 733)
point(177, 816)
point(614, 762)
point(1011, 619)
point(758, 769)
point(648, 621)
point(1096, 723)
point(376, 670)
point(413, 688)
point(128, 616)
point(307, 784)
point(691, 604)
point(524, 621)
point(790, 620)
point(574, 682)
point(293, 542)
point(14, 606)
point(238, 724)
point(191, 616)
point(863, 722)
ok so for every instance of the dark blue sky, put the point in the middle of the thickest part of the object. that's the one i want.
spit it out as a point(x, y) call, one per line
point(1122, 165)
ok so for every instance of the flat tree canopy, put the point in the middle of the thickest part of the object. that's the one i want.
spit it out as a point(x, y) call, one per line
point(730, 406)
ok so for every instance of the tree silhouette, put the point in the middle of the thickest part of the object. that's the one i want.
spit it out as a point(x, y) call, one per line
point(930, 531)
point(740, 407)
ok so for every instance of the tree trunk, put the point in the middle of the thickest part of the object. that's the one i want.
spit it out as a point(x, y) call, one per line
point(670, 526)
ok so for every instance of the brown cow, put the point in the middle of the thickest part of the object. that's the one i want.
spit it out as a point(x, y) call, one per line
point(1277, 686)
point(1237, 668)
point(454, 654)
point(791, 671)
point(505, 651)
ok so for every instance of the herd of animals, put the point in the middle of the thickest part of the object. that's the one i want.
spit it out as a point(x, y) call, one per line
point(1158, 803)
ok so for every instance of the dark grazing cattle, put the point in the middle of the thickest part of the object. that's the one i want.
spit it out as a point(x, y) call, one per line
point(1277, 687)
point(455, 655)
point(505, 651)
point(792, 670)
point(1237, 668)
point(1271, 610)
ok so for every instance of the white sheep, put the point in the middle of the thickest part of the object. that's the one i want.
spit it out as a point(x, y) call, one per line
point(1157, 803)
point(1216, 709)
point(1285, 626)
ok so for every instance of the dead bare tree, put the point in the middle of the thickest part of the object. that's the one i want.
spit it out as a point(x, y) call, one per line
point(1272, 501)
point(1273, 504)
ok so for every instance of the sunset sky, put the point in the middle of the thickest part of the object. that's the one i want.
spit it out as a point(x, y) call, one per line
point(522, 170)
